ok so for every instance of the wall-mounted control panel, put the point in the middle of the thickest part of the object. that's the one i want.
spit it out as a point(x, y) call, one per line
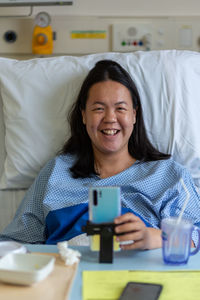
point(155, 34)
point(131, 37)
point(83, 35)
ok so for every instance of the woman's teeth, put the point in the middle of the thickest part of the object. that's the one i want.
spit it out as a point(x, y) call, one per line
point(110, 131)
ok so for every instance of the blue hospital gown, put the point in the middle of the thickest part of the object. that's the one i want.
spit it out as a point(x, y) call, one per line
point(56, 206)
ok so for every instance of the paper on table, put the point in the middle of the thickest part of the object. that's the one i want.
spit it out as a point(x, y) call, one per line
point(181, 285)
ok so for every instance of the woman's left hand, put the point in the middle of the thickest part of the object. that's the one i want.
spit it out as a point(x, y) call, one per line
point(132, 228)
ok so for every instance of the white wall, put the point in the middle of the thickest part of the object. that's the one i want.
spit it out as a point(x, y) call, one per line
point(120, 8)
point(172, 24)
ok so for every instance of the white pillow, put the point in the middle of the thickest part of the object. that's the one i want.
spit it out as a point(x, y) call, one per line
point(37, 94)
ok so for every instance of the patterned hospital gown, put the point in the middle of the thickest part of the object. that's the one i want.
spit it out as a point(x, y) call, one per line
point(56, 206)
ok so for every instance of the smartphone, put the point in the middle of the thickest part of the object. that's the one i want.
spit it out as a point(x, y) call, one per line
point(141, 291)
point(104, 206)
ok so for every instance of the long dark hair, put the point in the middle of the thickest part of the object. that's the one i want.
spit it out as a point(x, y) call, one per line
point(79, 144)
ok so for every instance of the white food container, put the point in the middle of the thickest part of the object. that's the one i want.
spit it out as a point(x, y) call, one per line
point(25, 268)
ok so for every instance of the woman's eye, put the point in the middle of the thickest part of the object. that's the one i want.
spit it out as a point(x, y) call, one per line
point(121, 108)
point(98, 109)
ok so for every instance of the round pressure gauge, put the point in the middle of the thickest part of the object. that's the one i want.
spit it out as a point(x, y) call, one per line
point(42, 19)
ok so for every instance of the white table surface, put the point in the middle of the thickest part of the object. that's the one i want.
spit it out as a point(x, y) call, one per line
point(123, 260)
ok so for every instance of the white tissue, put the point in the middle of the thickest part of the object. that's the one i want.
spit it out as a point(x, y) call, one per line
point(69, 256)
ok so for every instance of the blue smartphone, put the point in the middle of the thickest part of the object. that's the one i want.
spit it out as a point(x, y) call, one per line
point(104, 206)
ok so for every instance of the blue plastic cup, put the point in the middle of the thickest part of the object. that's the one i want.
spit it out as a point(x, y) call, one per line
point(176, 240)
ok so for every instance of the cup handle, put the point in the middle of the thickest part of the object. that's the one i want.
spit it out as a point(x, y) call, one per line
point(198, 245)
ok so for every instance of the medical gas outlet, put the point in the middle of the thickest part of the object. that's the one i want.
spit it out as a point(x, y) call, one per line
point(10, 36)
point(143, 43)
point(129, 37)
point(42, 42)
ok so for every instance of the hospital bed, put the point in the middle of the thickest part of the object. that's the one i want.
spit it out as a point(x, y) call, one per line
point(35, 96)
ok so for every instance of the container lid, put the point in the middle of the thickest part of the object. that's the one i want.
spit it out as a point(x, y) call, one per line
point(10, 246)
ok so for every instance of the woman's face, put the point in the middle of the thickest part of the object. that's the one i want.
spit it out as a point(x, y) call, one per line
point(109, 117)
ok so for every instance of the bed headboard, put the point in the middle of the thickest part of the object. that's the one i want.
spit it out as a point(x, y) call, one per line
point(36, 95)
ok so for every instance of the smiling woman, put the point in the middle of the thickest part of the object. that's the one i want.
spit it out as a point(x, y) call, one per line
point(108, 147)
point(108, 100)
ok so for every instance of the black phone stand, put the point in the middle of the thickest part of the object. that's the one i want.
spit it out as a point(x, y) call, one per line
point(106, 232)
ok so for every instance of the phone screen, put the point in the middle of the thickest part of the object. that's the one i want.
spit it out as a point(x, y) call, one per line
point(141, 291)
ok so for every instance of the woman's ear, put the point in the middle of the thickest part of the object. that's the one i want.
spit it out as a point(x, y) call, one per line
point(83, 117)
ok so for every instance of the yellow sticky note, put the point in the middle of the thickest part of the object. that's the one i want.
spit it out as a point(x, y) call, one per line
point(95, 243)
point(182, 285)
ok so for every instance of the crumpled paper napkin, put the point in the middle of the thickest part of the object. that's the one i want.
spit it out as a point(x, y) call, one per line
point(69, 255)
